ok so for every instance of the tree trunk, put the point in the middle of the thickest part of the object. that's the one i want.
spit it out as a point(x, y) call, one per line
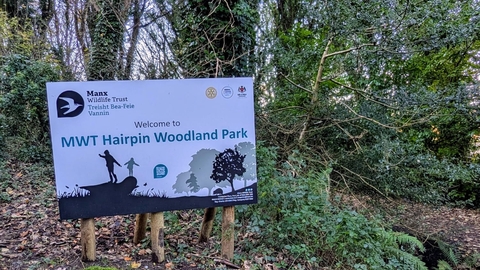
point(106, 21)
point(137, 14)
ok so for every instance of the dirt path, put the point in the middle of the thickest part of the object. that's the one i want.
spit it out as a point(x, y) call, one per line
point(458, 227)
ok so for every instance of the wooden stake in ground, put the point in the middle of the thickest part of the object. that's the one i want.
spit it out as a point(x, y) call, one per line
point(207, 224)
point(228, 232)
point(140, 228)
point(157, 235)
point(87, 239)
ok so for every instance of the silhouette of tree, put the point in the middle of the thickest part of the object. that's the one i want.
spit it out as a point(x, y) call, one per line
point(227, 165)
point(250, 161)
point(201, 167)
point(181, 185)
point(192, 183)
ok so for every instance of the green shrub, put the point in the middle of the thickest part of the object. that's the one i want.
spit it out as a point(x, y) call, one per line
point(24, 126)
point(360, 243)
point(294, 215)
point(5, 181)
point(404, 170)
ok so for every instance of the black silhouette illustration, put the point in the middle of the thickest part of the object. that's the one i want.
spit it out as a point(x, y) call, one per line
point(110, 160)
point(227, 165)
point(123, 189)
point(130, 164)
point(201, 167)
point(108, 197)
point(218, 191)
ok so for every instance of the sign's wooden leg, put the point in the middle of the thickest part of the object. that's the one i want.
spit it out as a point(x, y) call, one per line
point(207, 224)
point(228, 232)
point(140, 228)
point(157, 237)
point(87, 239)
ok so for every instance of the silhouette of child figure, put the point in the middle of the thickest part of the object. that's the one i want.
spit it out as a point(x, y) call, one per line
point(130, 163)
point(110, 160)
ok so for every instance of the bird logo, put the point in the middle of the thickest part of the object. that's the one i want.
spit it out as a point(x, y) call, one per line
point(69, 104)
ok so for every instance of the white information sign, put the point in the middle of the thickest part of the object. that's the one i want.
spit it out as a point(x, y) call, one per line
point(125, 147)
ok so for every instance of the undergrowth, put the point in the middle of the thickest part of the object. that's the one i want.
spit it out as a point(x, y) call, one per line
point(294, 214)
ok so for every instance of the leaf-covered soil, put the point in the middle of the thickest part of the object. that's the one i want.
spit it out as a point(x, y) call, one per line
point(33, 237)
point(459, 228)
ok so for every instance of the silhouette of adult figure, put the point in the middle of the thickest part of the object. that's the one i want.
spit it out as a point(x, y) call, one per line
point(110, 160)
point(130, 163)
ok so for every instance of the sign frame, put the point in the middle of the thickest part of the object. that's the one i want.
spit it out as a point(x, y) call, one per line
point(130, 147)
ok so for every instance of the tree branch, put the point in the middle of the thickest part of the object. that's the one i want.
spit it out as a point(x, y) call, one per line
point(364, 94)
point(349, 50)
point(318, 80)
point(364, 181)
point(296, 85)
point(367, 118)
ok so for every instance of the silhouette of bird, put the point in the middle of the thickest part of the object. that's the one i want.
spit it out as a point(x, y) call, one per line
point(71, 106)
point(145, 184)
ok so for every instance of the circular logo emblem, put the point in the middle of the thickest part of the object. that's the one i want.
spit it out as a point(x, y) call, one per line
point(211, 92)
point(227, 92)
point(69, 104)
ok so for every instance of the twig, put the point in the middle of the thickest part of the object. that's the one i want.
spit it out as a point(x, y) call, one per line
point(368, 184)
point(364, 94)
point(296, 85)
point(349, 50)
point(11, 256)
point(367, 118)
point(219, 260)
point(349, 190)
point(227, 263)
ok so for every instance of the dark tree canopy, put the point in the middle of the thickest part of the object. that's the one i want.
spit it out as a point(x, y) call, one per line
point(227, 165)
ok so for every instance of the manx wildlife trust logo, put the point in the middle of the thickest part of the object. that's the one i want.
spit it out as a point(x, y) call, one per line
point(69, 104)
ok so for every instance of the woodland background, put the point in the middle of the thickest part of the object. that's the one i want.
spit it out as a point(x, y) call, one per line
point(353, 98)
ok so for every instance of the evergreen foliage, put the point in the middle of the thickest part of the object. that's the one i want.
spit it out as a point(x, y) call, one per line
point(24, 125)
point(215, 39)
point(295, 214)
point(378, 97)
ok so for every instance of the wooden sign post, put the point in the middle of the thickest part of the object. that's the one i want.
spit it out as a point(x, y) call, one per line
point(207, 224)
point(228, 232)
point(228, 229)
point(140, 228)
point(157, 236)
point(87, 239)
